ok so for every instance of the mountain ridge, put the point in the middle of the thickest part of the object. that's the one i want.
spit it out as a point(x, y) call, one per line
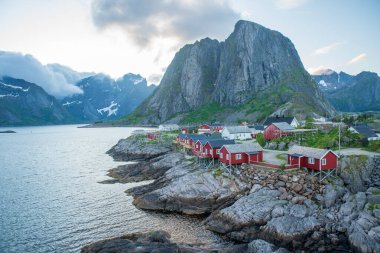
point(255, 72)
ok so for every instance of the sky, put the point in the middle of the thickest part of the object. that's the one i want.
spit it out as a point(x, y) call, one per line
point(116, 37)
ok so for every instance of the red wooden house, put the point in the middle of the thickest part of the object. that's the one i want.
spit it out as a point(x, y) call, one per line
point(212, 147)
point(188, 130)
point(313, 158)
point(213, 127)
point(277, 130)
point(235, 154)
point(153, 135)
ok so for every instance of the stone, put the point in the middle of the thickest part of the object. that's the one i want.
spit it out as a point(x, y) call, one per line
point(296, 187)
point(366, 221)
point(280, 184)
point(260, 246)
point(282, 145)
point(360, 199)
point(255, 188)
point(278, 211)
point(375, 233)
point(283, 177)
point(298, 199)
point(299, 211)
point(295, 178)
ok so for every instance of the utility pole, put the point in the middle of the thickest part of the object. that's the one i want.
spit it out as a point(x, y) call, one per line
point(340, 123)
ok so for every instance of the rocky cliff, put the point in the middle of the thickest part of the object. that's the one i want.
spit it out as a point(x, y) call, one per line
point(253, 73)
point(350, 93)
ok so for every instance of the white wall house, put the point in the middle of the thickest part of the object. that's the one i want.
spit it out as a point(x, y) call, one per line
point(237, 133)
point(364, 130)
point(168, 127)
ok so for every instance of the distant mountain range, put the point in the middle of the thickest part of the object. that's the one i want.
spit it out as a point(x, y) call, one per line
point(254, 73)
point(24, 103)
point(103, 98)
point(348, 93)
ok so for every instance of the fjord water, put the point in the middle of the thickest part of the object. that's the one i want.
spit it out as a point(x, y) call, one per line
point(50, 198)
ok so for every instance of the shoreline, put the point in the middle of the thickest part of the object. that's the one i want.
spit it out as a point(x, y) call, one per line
point(299, 212)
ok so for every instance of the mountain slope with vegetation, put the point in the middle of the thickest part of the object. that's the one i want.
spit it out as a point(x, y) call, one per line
point(255, 72)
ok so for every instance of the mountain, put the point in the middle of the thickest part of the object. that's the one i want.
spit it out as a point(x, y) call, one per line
point(24, 103)
point(255, 72)
point(104, 98)
point(349, 93)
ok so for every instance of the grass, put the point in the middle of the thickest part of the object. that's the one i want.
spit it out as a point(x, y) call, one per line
point(281, 157)
point(217, 172)
point(192, 159)
point(203, 114)
point(373, 206)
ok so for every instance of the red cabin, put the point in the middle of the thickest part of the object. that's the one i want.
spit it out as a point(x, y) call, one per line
point(277, 130)
point(214, 127)
point(212, 147)
point(188, 130)
point(312, 158)
point(241, 153)
point(153, 135)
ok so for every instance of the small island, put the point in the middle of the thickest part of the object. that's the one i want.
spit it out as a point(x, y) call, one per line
point(7, 132)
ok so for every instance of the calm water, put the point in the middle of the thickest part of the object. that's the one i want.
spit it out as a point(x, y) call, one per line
point(50, 200)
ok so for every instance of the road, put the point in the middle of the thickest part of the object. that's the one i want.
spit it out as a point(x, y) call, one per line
point(270, 156)
point(356, 151)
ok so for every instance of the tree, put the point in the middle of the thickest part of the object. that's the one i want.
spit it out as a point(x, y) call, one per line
point(260, 139)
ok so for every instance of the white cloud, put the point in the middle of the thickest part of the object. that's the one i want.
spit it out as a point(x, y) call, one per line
point(289, 4)
point(327, 49)
point(146, 20)
point(30, 69)
point(358, 58)
point(319, 70)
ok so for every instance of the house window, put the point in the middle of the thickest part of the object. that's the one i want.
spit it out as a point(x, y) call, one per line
point(228, 157)
point(221, 155)
point(238, 156)
point(311, 160)
point(323, 161)
point(218, 151)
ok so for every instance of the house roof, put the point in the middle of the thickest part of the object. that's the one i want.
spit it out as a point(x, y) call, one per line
point(248, 147)
point(283, 126)
point(219, 143)
point(237, 129)
point(364, 129)
point(317, 153)
point(257, 127)
point(271, 120)
point(208, 139)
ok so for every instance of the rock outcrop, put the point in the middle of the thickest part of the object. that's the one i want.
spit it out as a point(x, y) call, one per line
point(189, 189)
point(137, 148)
point(254, 72)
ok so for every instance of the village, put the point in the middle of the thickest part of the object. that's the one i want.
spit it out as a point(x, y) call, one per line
point(214, 145)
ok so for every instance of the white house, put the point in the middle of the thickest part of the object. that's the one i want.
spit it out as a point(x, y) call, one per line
point(168, 127)
point(290, 120)
point(237, 133)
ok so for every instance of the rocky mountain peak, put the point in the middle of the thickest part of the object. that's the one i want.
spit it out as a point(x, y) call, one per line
point(254, 65)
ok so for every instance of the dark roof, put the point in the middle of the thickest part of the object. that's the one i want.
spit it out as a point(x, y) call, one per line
point(364, 130)
point(216, 124)
point(205, 140)
point(257, 127)
point(271, 120)
point(220, 143)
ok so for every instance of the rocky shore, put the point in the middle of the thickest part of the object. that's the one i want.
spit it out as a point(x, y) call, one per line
point(267, 210)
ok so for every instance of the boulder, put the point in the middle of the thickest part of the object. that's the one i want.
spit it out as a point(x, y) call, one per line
point(261, 246)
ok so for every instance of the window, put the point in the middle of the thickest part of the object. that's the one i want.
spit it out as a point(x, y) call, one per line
point(218, 151)
point(221, 155)
point(323, 161)
point(311, 160)
point(238, 156)
point(228, 157)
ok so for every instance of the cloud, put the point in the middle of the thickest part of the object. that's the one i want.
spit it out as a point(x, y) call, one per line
point(155, 78)
point(145, 20)
point(30, 69)
point(358, 58)
point(289, 4)
point(327, 49)
point(319, 70)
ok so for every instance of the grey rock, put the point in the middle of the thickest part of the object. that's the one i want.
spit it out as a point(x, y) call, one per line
point(287, 228)
point(375, 233)
point(299, 211)
point(282, 145)
point(261, 246)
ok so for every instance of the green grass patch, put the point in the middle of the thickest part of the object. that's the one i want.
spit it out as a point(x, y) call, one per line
point(373, 206)
point(281, 157)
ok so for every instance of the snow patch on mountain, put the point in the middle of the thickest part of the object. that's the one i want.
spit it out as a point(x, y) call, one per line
point(72, 102)
point(111, 109)
point(9, 95)
point(323, 83)
point(15, 87)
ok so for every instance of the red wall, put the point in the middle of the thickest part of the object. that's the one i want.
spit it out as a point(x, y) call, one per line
point(272, 132)
point(331, 162)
